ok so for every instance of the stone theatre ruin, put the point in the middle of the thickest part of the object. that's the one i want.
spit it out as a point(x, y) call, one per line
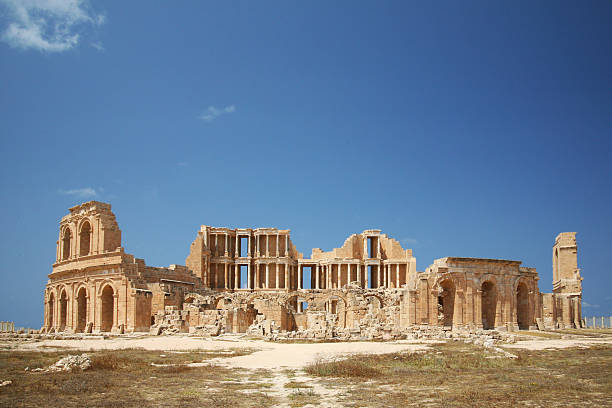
point(252, 280)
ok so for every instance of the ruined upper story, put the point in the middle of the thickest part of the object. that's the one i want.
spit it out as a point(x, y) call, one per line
point(480, 266)
point(216, 242)
point(90, 243)
point(566, 274)
point(368, 245)
point(89, 229)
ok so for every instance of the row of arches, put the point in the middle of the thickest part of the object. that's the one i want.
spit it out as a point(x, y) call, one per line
point(489, 304)
point(84, 234)
point(57, 314)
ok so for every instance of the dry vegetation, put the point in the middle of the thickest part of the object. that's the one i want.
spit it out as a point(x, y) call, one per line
point(126, 378)
point(452, 374)
point(462, 375)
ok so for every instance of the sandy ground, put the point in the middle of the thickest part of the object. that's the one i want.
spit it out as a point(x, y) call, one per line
point(267, 355)
point(270, 355)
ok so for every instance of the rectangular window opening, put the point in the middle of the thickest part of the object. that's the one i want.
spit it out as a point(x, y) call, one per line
point(243, 245)
point(244, 276)
point(307, 277)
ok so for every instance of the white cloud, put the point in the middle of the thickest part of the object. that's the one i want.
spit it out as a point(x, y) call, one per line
point(586, 304)
point(213, 113)
point(98, 46)
point(85, 192)
point(409, 241)
point(47, 25)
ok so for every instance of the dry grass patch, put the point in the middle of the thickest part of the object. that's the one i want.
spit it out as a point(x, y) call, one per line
point(456, 374)
point(302, 397)
point(124, 378)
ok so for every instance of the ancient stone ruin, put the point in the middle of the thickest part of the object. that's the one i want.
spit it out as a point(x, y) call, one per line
point(252, 281)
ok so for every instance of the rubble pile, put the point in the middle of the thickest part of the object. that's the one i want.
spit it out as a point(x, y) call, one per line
point(68, 363)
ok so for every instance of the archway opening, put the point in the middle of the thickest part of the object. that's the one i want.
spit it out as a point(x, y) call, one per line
point(489, 305)
point(63, 310)
point(106, 322)
point(85, 239)
point(66, 244)
point(51, 306)
point(446, 303)
point(522, 306)
point(81, 310)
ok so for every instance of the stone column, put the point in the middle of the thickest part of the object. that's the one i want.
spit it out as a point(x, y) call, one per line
point(379, 274)
point(577, 316)
point(386, 283)
point(216, 247)
point(276, 270)
point(226, 244)
point(249, 244)
point(267, 284)
point(237, 277)
point(478, 307)
point(317, 278)
point(286, 276)
point(339, 276)
point(287, 245)
point(115, 310)
point(359, 275)
point(458, 308)
point(365, 275)
point(236, 247)
point(226, 278)
point(397, 278)
point(277, 239)
point(267, 245)
point(299, 274)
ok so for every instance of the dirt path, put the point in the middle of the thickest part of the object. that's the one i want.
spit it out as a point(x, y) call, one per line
point(268, 355)
point(544, 344)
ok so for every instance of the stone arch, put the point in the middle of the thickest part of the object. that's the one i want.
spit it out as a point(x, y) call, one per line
point(85, 234)
point(63, 309)
point(340, 310)
point(81, 306)
point(522, 305)
point(66, 243)
point(51, 309)
point(107, 308)
point(376, 296)
point(488, 303)
point(446, 302)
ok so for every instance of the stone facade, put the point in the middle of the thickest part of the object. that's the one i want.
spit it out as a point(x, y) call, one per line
point(252, 280)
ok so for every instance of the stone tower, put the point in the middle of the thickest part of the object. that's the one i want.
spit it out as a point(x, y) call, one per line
point(567, 282)
point(89, 229)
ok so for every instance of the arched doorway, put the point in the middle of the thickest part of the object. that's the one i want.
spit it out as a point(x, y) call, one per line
point(107, 299)
point(66, 244)
point(63, 304)
point(84, 239)
point(522, 306)
point(489, 305)
point(446, 303)
point(51, 314)
point(81, 310)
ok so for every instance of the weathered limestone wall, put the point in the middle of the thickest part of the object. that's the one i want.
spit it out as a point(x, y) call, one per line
point(252, 280)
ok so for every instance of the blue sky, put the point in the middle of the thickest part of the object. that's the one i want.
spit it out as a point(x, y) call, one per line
point(470, 128)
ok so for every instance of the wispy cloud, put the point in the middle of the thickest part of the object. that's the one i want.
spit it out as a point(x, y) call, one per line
point(586, 304)
point(85, 192)
point(213, 113)
point(47, 25)
point(98, 46)
point(409, 241)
